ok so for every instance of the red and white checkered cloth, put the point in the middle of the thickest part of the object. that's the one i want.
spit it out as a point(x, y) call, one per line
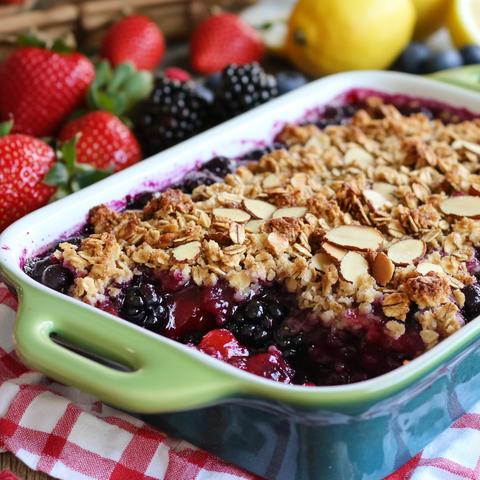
point(70, 435)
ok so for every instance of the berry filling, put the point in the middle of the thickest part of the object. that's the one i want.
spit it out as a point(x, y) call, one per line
point(296, 281)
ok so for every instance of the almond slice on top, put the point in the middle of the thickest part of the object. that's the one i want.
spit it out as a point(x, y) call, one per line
point(254, 225)
point(424, 267)
point(473, 147)
point(290, 212)
point(462, 206)
point(363, 158)
point(334, 252)
point(271, 181)
point(352, 266)
point(406, 252)
point(382, 269)
point(259, 209)
point(375, 199)
point(355, 237)
point(474, 190)
point(321, 261)
point(187, 252)
point(386, 189)
point(232, 214)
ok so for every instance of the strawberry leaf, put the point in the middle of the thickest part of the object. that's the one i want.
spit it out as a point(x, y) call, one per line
point(120, 76)
point(59, 46)
point(30, 40)
point(85, 179)
point(57, 175)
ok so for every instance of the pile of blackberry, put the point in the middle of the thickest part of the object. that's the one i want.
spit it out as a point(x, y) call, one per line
point(145, 306)
point(241, 89)
point(261, 322)
point(173, 112)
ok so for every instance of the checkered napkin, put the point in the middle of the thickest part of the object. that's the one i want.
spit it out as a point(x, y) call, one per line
point(72, 436)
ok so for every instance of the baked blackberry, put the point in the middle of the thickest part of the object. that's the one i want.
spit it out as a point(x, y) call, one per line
point(173, 112)
point(254, 324)
point(243, 88)
point(144, 306)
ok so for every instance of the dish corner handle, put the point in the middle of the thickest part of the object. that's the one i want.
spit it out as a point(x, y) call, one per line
point(161, 378)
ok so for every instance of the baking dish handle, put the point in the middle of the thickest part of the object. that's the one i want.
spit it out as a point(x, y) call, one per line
point(161, 379)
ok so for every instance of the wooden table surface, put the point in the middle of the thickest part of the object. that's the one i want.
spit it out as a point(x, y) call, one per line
point(8, 461)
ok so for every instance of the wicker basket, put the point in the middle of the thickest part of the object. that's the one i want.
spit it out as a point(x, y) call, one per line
point(88, 20)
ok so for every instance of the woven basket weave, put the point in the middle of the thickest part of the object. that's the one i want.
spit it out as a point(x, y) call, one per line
point(88, 20)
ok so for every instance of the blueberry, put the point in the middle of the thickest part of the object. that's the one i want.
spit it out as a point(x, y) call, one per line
point(204, 92)
point(139, 201)
point(57, 278)
point(471, 309)
point(412, 58)
point(76, 240)
point(470, 54)
point(290, 80)
point(194, 179)
point(214, 81)
point(442, 61)
point(220, 166)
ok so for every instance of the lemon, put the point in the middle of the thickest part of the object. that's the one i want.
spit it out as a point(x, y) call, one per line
point(431, 15)
point(463, 21)
point(330, 36)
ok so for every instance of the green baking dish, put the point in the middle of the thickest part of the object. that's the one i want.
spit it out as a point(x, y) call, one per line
point(358, 431)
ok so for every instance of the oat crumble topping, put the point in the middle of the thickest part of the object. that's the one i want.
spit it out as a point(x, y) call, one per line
point(383, 171)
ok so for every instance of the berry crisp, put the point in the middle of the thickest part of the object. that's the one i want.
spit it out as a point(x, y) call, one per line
point(346, 249)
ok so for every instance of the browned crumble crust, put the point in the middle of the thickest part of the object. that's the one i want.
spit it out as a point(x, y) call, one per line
point(409, 161)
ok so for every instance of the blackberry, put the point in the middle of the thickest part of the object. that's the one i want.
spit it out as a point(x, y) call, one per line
point(220, 166)
point(173, 112)
point(144, 306)
point(243, 88)
point(254, 323)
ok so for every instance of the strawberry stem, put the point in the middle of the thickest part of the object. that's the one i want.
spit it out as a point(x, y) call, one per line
point(5, 128)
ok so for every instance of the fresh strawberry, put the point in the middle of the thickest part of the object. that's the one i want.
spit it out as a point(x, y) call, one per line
point(136, 39)
point(8, 475)
point(104, 142)
point(40, 87)
point(222, 39)
point(24, 162)
point(174, 73)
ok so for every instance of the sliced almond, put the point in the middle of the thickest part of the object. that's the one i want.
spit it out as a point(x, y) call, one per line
point(375, 199)
point(271, 181)
point(474, 189)
point(462, 206)
point(259, 209)
point(352, 266)
point(424, 267)
point(473, 147)
point(278, 242)
point(386, 189)
point(363, 158)
point(334, 252)
point(321, 261)
point(290, 212)
point(355, 237)
point(234, 214)
point(321, 141)
point(382, 269)
point(254, 225)
point(406, 252)
point(187, 252)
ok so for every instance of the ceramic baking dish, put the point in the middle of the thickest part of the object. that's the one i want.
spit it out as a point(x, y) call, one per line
point(358, 431)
